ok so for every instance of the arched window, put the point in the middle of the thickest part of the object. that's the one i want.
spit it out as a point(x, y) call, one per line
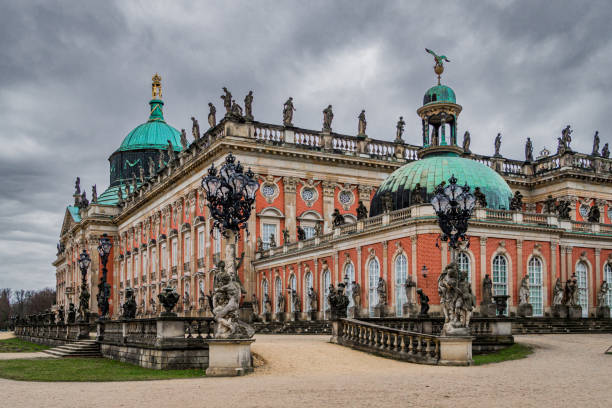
point(608, 279)
point(293, 286)
point(278, 292)
point(463, 261)
point(583, 288)
point(373, 275)
point(534, 269)
point(307, 286)
point(325, 291)
point(349, 273)
point(264, 291)
point(500, 275)
point(401, 273)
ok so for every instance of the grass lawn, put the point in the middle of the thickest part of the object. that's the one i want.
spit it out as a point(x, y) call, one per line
point(86, 369)
point(19, 346)
point(514, 352)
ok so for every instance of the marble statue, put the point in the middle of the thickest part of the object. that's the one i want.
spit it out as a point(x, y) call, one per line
point(338, 301)
point(248, 106)
point(184, 142)
point(361, 128)
point(129, 306)
point(456, 299)
point(267, 308)
point(381, 291)
point(141, 174)
point(337, 218)
point(318, 230)
point(601, 294)
point(236, 110)
point(524, 290)
point(356, 294)
point(399, 130)
point(481, 199)
point(227, 101)
point(409, 287)
point(362, 211)
point(77, 186)
point(516, 202)
point(416, 195)
point(272, 241)
point(570, 293)
point(280, 303)
point(487, 290)
point(387, 201)
point(575, 291)
point(605, 151)
point(467, 139)
point(424, 300)
point(151, 167)
point(528, 150)
point(594, 214)
point(595, 144)
point(497, 145)
point(226, 302)
point(558, 293)
point(295, 300)
point(171, 152)
point(286, 240)
point(195, 128)
point(94, 194)
point(288, 110)
point(328, 116)
point(313, 300)
point(212, 113)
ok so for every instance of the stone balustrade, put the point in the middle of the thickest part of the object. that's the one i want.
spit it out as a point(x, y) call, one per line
point(52, 334)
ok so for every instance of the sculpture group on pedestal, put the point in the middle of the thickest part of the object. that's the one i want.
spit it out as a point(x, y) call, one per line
point(226, 302)
point(409, 307)
point(456, 299)
point(603, 309)
point(525, 309)
point(338, 301)
point(129, 306)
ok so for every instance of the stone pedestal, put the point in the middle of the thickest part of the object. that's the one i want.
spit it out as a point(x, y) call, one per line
point(336, 331)
point(501, 327)
point(410, 310)
point(379, 311)
point(574, 312)
point(266, 317)
point(603, 312)
point(488, 310)
point(353, 312)
point(229, 357)
point(295, 316)
point(280, 317)
point(525, 310)
point(456, 351)
point(559, 311)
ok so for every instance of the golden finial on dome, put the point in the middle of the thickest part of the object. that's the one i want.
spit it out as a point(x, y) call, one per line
point(156, 87)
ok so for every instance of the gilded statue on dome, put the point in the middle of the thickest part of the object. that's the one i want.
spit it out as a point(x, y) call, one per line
point(156, 89)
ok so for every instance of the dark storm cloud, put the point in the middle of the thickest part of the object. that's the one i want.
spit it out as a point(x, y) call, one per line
point(75, 79)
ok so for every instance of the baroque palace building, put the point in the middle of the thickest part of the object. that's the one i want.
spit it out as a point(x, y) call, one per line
point(559, 222)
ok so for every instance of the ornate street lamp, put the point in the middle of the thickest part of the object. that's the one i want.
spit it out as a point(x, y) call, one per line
point(104, 249)
point(453, 205)
point(84, 262)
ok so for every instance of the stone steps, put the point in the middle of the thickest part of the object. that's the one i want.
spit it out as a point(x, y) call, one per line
point(83, 348)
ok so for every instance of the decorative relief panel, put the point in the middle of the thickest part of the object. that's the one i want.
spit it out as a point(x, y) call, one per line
point(309, 192)
point(269, 188)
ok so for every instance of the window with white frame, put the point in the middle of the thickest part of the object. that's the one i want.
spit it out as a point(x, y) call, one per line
point(500, 275)
point(268, 230)
point(326, 282)
point(463, 262)
point(293, 286)
point(201, 243)
point(583, 288)
point(174, 252)
point(217, 240)
point(187, 249)
point(608, 279)
point(309, 232)
point(401, 274)
point(307, 286)
point(373, 275)
point(278, 292)
point(534, 269)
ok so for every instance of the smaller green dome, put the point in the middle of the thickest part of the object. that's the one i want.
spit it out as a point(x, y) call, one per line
point(154, 134)
point(439, 93)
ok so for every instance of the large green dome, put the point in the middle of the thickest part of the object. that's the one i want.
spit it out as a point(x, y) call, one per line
point(153, 134)
point(432, 170)
point(439, 93)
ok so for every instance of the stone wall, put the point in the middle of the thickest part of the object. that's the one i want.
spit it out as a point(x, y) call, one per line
point(159, 359)
point(45, 341)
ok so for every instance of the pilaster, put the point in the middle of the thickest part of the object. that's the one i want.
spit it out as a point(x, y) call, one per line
point(290, 187)
point(329, 188)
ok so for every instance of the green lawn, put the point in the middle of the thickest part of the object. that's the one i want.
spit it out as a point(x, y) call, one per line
point(514, 352)
point(86, 369)
point(16, 345)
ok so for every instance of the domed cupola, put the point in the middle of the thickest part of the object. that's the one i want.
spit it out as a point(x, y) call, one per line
point(144, 143)
point(440, 158)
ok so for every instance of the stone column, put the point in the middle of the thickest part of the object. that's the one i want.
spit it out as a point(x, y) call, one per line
point(290, 187)
point(563, 262)
point(569, 257)
point(385, 271)
point(414, 260)
point(553, 273)
point(594, 285)
point(483, 261)
point(329, 189)
point(519, 261)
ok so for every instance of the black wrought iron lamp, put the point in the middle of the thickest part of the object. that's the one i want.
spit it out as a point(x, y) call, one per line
point(104, 249)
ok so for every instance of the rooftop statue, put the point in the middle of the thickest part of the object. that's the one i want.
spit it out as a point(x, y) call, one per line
point(227, 101)
point(594, 214)
point(565, 140)
point(466, 142)
point(184, 142)
point(416, 195)
point(516, 203)
point(77, 186)
point(549, 205)
point(161, 163)
point(288, 110)
point(151, 167)
point(528, 150)
point(195, 128)
point(248, 106)
point(328, 116)
point(171, 153)
point(156, 90)
point(400, 130)
point(497, 145)
point(94, 194)
point(212, 121)
point(141, 174)
point(362, 211)
point(361, 128)
point(605, 151)
point(596, 144)
point(236, 110)
point(337, 218)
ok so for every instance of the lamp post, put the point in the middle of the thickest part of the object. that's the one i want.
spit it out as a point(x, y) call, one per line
point(104, 249)
point(84, 262)
point(453, 205)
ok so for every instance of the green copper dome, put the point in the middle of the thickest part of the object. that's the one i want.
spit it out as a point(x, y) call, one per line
point(439, 93)
point(154, 134)
point(435, 168)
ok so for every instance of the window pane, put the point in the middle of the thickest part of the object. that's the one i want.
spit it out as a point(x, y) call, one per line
point(608, 279)
point(583, 294)
point(535, 286)
point(349, 271)
point(326, 283)
point(463, 261)
point(373, 275)
point(401, 273)
point(268, 230)
point(309, 231)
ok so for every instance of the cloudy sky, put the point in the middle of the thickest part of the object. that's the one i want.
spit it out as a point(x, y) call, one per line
point(75, 79)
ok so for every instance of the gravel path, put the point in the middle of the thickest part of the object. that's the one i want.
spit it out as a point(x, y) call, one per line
point(306, 371)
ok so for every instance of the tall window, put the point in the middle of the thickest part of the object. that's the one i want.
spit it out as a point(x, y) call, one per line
point(373, 275)
point(309, 231)
point(129, 272)
point(136, 269)
point(534, 268)
point(401, 274)
point(174, 252)
point(201, 243)
point(164, 254)
point(583, 288)
point(265, 291)
point(463, 261)
point(325, 291)
point(500, 275)
point(293, 285)
point(608, 279)
point(154, 262)
point(278, 292)
point(217, 239)
point(145, 264)
point(349, 272)
point(187, 249)
point(268, 230)
point(307, 286)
